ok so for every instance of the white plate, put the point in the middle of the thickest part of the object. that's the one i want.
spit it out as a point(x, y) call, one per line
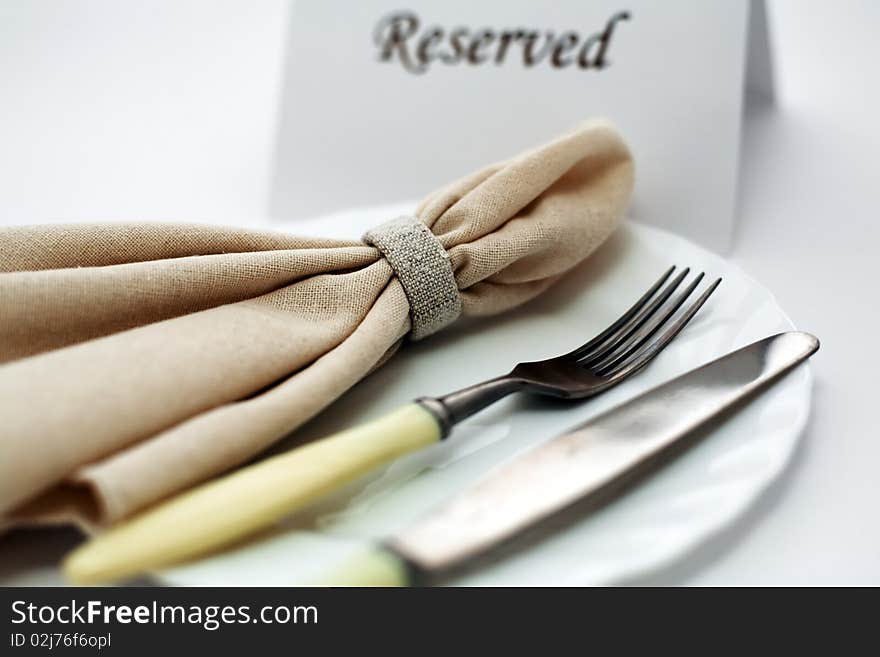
point(661, 519)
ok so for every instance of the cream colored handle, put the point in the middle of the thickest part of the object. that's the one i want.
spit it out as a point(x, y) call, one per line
point(253, 498)
point(371, 566)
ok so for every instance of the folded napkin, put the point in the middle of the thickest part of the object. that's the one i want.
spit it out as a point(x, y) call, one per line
point(141, 359)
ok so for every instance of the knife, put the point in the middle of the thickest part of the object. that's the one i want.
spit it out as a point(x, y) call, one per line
point(587, 464)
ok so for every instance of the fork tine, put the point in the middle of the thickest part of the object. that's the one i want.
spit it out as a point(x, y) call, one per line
point(644, 357)
point(638, 340)
point(627, 330)
point(620, 321)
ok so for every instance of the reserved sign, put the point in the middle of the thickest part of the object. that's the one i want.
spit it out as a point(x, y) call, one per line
point(400, 38)
point(385, 101)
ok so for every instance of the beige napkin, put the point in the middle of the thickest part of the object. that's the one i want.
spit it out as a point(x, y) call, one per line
point(141, 359)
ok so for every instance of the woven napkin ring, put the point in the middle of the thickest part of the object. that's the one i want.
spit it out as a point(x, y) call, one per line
point(423, 268)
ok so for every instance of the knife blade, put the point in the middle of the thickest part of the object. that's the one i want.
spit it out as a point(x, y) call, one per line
point(588, 462)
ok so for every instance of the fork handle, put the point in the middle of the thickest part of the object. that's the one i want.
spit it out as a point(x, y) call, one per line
point(461, 404)
point(253, 498)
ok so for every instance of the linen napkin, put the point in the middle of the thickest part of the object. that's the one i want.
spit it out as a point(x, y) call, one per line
point(141, 359)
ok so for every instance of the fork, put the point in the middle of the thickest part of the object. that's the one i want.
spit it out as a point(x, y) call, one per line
point(255, 497)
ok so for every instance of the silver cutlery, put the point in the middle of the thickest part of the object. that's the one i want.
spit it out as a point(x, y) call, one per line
point(235, 506)
point(578, 470)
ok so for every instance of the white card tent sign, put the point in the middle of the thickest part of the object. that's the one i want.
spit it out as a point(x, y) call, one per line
point(383, 103)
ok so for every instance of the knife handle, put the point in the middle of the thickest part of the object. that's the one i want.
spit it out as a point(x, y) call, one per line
point(371, 566)
point(253, 498)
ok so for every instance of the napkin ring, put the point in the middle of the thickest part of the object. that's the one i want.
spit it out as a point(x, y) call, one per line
point(423, 268)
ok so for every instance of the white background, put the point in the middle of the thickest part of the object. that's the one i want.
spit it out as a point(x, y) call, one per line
point(114, 110)
point(121, 110)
